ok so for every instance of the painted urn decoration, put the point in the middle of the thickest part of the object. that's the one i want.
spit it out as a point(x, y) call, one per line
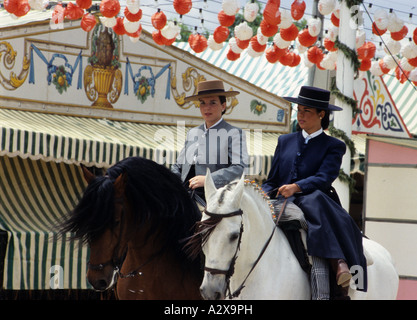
point(102, 77)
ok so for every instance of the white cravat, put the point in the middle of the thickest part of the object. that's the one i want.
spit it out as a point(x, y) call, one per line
point(308, 137)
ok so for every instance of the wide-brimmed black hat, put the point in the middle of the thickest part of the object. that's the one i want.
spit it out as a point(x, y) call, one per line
point(314, 98)
point(211, 88)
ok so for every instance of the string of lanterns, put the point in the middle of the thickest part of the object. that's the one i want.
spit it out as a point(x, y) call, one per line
point(289, 44)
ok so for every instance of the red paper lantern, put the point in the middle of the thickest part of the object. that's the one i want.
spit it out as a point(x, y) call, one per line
point(133, 17)
point(58, 14)
point(289, 34)
point(182, 6)
point(328, 44)
point(376, 30)
point(109, 8)
point(366, 51)
point(73, 11)
point(267, 29)
point(297, 9)
point(273, 53)
point(232, 56)
point(401, 75)
point(315, 55)
point(197, 42)
point(84, 4)
point(158, 37)
point(225, 20)
point(88, 22)
point(413, 62)
point(220, 34)
point(119, 28)
point(242, 44)
point(159, 20)
point(22, 9)
point(271, 14)
point(11, 5)
point(383, 66)
point(306, 39)
point(135, 34)
point(415, 35)
point(296, 61)
point(399, 35)
point(365, 65)
point(335, 20)
point(287, 58)
point(256, 46)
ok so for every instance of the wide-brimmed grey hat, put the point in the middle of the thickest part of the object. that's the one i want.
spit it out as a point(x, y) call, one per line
point(210, 88)
point(314, 98)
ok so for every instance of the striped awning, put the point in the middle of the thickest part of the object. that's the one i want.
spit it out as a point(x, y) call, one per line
point(34, 196)
point(41, 181)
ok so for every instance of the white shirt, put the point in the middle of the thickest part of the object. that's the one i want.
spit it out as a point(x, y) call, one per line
point(307, 136)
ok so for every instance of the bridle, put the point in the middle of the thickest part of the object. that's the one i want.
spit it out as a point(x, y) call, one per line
point(117, 261)
point(229, 273)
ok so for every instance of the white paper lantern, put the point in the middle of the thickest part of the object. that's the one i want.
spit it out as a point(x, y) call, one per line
point(333, 33)
point(253, 53)
point(230, 7)
point(301, 49)
point(392, 47)
point(409, 50)
point(395, 24)
point(381, 19)
point(133, 6)
point(413, 75)
point(250, 11)
point(360, 38)
point(314, 26)
point(243, 31)
point(390, 62)
point(326, 7)
point(328, 63)
point(286, 19)
point(405, 65)
point(130, 26)
point(307, 62)
point(213, 45)
point(171, 30)
point(261, 38)
point(336, 10)
point(108, 22)
point(281, 43)
point(234, 47)
point(38, 4)
point(376, 69)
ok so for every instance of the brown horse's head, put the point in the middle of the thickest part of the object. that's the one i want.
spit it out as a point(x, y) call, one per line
point(137, 204)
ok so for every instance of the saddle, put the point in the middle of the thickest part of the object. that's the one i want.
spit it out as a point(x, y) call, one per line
point(294, 226)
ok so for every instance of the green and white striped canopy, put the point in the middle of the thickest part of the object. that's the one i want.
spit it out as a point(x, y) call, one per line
point(41, 181)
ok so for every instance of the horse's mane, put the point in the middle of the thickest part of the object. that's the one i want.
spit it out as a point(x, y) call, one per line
point(155, 195)
point(204, 228)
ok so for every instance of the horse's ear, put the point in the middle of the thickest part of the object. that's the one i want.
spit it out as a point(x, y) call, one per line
point(209, 186)
point(119, 185)
point(88, 175)
point(238, 191)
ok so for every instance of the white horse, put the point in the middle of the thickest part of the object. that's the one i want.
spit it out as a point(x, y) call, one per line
point(248, 257)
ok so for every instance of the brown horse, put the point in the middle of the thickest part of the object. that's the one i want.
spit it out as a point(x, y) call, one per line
point(134, 219)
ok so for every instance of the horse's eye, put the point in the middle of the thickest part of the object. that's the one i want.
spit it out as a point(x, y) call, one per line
point(234, 236)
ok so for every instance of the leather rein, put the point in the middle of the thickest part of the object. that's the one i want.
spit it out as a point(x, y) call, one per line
point(117, 262)
point(229, 273)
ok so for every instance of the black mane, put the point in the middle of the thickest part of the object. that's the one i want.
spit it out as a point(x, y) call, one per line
point(156, 196)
